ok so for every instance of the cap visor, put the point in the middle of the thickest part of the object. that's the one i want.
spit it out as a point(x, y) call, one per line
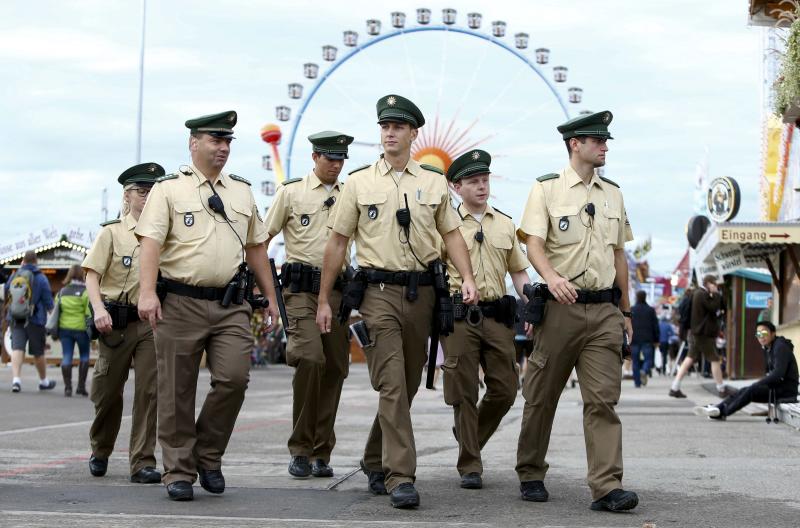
point(335, 156)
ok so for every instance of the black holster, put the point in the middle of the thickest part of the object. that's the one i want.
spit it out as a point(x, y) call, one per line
point(352, 296)
point(537, 298)
point(506, 310)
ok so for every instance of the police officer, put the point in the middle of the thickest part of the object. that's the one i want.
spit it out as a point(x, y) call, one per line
point(575, 229)
point(483, 334)
point(112, 282)
point(301, 209)
point(398, 212)
point(198, 228)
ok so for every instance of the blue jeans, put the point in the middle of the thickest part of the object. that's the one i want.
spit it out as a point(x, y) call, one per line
point(638, 349)
point(68, 339)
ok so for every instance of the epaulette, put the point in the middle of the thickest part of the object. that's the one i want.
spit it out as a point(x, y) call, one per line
point(293, 180)
point(239, 178)
point(551, 176)
point(166, 177)
point(359, 169)
point(496, 210)
point(114, 221)
point(609, 181)
point(431, 168)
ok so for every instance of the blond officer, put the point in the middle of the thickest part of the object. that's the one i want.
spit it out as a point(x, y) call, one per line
point(483, 334)
point(301, 209)
point(398, 213)
point(198, 228)
point(575, 228)
point(112, 282)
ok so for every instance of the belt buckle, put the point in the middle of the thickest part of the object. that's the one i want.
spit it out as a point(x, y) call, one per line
point(474, 316)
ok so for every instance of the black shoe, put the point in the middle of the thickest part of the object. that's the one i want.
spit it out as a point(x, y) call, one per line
point(471, 481)
point(404, 496)
point(98, 466)
point(211, 480)
point(376, 479)
point(16, 387)
point(320, 468)
point(676, 393)
point(47, 386)
point(616, 501)
point(534, 491)
point(299, 467)
point(146, 475)
point(180, 490)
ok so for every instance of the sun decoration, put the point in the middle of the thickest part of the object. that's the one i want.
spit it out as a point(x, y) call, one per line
point(440, 146)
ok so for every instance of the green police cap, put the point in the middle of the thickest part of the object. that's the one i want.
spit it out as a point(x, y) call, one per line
point(144, 173)
point(400, 110)
point(219, 125)
point(333, 145)
point(595, 125)
point(469, 164)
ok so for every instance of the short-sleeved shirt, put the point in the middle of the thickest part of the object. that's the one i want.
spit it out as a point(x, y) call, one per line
point(299, 210)
point(579, 247)
point(115, 257)
point(367, 212)
point(198, 247)
point(498, 254)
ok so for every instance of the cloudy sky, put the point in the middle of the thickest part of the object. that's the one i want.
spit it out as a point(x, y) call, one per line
point(682, 78)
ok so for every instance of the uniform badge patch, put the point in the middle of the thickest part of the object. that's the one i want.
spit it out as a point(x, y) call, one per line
point(126, 261)
point(304, 220)
point(563, 224)
point(188, 219)
point(372, 212)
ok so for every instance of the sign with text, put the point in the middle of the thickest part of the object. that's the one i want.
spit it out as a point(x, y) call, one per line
point(729, 259)
point(757, 299)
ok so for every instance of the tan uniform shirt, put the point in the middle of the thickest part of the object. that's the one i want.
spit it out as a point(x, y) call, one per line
point(574, 241)
point(198, 247)
point(498, 254)
point(115, 257)
point(299, 211)
point(367, 207)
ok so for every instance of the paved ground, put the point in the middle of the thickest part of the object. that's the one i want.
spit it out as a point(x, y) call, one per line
point(688, 471)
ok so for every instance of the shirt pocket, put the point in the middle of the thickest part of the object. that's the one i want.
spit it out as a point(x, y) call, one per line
point(125, 258)
point(375, 217)
point(304, 216)
point(241, 219)
point(189, 221)
point(502, 242)
point(567, 227)
point(427, 203)
point(611, 230)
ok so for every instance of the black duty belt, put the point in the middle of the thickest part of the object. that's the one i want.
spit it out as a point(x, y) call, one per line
point(297, 278)
point(611, 295)
point(399, 278)
point(475, 314)
point(195, 292)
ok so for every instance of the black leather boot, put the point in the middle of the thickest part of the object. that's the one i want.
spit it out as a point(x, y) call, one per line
point(66, 373)
point(83, 370)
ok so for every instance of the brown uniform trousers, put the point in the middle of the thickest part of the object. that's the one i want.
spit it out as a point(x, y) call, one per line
point(189, 327)
point(108, 384)
point(491, 345)
point(321, 364)
point(396, 355)
point(589, 338)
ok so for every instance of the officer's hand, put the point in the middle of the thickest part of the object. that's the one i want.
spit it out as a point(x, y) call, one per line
point(102, 321)
point(150, 308)
point(324, 317)
point(562, 290)
point(470, 292)
point(272, 315)
point(529, 330)
point(629, 329)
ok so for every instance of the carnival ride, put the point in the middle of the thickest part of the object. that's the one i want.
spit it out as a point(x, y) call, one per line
point(500, 96)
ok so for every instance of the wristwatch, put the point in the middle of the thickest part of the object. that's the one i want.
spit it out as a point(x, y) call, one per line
point(626, 314)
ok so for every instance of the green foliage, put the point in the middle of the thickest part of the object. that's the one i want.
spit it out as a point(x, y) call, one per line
point(787, 87)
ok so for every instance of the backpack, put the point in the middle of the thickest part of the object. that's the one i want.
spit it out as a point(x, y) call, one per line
point(20, 295)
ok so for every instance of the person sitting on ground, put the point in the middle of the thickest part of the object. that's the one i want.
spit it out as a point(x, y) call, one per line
point(781, 376)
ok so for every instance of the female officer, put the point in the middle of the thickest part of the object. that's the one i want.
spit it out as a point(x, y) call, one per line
point(112, 279)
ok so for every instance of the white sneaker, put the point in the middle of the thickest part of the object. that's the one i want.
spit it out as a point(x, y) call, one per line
point(712, 411)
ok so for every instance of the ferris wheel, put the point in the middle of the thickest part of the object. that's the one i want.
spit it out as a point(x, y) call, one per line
point(477, 89)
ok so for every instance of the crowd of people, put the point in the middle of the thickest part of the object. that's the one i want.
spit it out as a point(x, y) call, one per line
point(176, 278)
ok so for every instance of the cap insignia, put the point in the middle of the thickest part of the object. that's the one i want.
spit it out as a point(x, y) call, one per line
point(340, 140)
point(230, 118)
point(476, 155)
point(151, 168)
point(391, 100)
point(606, 118)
